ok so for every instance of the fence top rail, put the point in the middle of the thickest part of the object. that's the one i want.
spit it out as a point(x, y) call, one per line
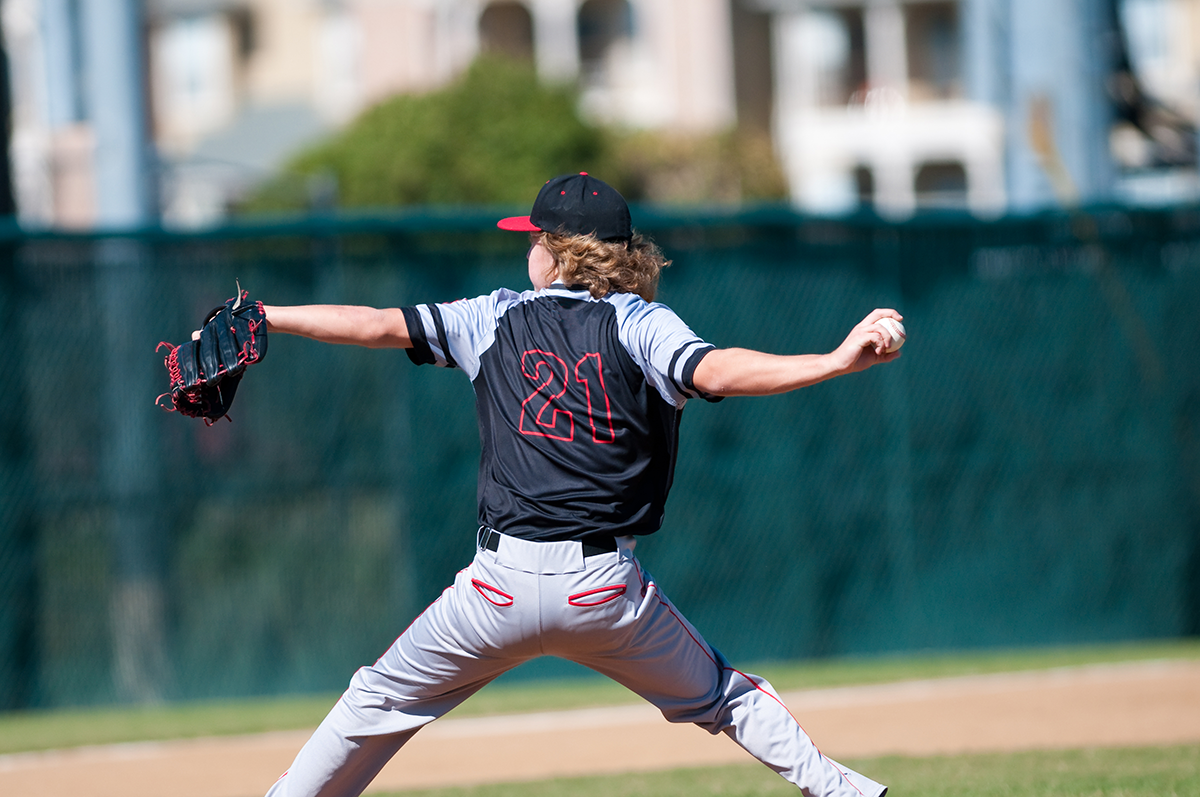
point(650, 218)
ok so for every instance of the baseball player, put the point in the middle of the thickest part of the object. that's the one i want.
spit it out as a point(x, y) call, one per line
point(580, 384)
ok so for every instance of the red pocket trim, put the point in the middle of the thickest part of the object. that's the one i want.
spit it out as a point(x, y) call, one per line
point(605, 594)
point(491, 594)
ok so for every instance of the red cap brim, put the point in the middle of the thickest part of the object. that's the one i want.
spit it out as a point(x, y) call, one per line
point(518, 224)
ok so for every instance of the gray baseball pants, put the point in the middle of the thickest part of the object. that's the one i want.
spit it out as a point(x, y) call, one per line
point(529, 599)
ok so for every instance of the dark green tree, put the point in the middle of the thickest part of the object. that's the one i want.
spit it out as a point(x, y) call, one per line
point(492, 137)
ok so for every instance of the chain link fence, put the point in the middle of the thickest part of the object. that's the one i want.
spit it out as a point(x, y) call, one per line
point(1028, 473)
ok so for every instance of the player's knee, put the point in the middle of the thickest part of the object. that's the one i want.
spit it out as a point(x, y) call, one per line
point(709, 712)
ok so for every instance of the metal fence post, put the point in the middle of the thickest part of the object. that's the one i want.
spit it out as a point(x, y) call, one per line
point(114, 57)
point(18, 544)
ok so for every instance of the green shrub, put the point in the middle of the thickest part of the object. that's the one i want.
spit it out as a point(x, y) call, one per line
point(680, 169)
point(494, 137)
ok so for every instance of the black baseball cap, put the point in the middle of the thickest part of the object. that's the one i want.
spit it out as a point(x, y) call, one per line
point(576, 204)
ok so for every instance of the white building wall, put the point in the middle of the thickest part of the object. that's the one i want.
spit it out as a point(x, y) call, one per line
point(821, 144)
point(675, 72)
point(704, 69)
point(282, 67)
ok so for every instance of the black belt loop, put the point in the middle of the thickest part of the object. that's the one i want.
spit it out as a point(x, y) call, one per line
point(489, 540)
point(599, 546)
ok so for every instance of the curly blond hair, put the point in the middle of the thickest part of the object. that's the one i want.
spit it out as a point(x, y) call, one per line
point(605, 267)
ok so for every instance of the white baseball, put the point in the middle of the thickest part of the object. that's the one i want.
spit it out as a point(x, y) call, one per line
point(895, 330)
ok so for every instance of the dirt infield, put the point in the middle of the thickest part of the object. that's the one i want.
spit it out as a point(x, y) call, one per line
point(1147, 703)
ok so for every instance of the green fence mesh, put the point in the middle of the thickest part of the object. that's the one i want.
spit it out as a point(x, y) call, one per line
point(1028, 473)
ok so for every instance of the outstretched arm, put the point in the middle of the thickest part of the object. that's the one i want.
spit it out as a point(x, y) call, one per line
point(337, 323)
point(744, 372)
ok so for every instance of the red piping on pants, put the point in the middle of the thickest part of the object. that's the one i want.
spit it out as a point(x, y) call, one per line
point(713, 659)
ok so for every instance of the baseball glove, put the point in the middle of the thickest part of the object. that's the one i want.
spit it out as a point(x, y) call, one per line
point(205, 372)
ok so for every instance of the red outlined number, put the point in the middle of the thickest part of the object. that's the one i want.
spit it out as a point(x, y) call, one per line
point(587, 370)
point(552, 375)
point(546, 366)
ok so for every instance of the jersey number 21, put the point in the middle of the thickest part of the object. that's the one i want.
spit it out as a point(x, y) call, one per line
point(550, 417)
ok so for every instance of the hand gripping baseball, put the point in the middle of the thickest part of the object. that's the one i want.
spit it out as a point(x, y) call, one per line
point(205, 371)
point(876, 339)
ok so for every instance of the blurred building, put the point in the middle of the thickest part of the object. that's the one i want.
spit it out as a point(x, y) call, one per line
point(898, 105)
point(873, 107)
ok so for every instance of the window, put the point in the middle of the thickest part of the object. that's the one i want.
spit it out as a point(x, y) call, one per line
point(836, 48)
point(507, 29)
point(752, 67)
point(942, 185)
point(194, 61)
point(864, 186)
point(602, 24)
point(933, 41)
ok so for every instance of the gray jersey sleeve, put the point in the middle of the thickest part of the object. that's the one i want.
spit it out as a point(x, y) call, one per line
point(663, 346)
point(454, 334)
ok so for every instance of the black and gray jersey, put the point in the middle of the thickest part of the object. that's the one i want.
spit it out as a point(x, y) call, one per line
point(579, 402)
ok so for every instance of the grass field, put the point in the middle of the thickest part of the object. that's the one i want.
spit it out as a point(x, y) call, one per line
point(40, 730)
point(1146, 772)
point(1158, 771)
